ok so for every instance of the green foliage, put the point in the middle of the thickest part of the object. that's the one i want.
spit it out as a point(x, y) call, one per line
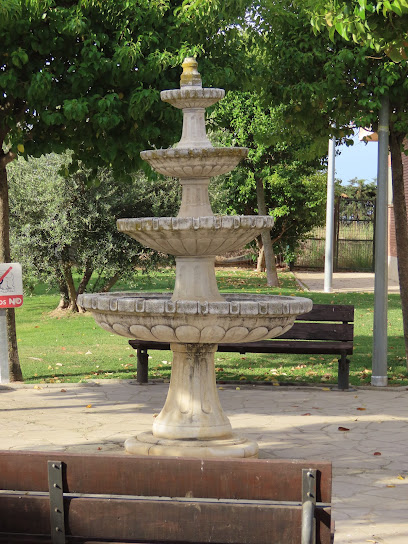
point(295, 190)
point(70, 221)
point(325, 82)
point(85, 75)
point(382, 25)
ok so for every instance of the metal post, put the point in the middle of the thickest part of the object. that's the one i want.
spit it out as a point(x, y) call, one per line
point(328, 258)
point(380, 338)
point(308, 506)
point(4, 362)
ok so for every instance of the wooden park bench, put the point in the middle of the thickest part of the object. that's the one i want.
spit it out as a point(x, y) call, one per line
point(326, 330)
point(60, 498)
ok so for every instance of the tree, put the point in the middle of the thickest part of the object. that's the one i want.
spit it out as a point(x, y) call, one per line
point(61, 224)
point(85, 75)
point(273, 179)
point(325, 80)
point(382, 25)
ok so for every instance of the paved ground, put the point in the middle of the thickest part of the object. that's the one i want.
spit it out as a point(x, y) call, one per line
point(342, 282)
point(370, 459)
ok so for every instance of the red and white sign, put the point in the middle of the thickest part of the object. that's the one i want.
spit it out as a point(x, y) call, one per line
point(11, 285)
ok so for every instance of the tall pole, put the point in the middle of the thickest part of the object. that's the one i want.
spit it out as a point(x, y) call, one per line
point(328, 257)
point(4, 360)
point(380, 336)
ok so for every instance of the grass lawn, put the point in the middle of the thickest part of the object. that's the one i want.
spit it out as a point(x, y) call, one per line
point(72, 348)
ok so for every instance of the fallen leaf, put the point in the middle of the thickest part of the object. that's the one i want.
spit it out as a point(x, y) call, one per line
point(276, 384)
point(58, 364)
point(326, 389)
point(99, 449)
point(89, 405)
point(307, 414)
point(401, 477)
point(221, 388)
point(390, 486)
point(343, 429)
point(37, 387)
point(63, 390)
point(88, 353)
point(377, 453)
point(131, 355)
point(361, 409)
point(238, 388)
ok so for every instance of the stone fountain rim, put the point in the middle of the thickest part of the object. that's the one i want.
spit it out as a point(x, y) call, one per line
point(193, 152)
point(235, 304)
point(192, 92)
point(210, 222)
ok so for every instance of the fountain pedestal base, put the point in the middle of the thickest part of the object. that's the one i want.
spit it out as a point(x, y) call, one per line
point(192, 422)
point(234, 447)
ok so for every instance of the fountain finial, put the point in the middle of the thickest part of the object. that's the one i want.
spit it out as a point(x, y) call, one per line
point(190, 76)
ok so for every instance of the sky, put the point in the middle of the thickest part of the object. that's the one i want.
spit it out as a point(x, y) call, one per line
point(358, 161)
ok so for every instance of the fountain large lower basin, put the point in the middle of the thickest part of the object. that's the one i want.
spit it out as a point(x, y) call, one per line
point(155, 317)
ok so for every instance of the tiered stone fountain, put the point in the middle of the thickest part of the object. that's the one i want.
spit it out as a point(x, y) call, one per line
point(196, 317)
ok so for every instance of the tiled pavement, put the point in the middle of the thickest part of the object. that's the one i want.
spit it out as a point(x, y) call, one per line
point(370, 461)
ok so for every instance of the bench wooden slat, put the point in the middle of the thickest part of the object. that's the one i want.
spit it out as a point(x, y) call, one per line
point(320, 331)
point(329, 312)
point(160, 520)
point(253, 479)
point(283, 346)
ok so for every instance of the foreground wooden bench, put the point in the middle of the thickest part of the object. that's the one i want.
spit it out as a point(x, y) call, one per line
point(50, 497)
point(327, 329)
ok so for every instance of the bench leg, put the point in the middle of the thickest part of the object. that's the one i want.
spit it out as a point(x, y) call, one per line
point(344, 372)
point(142, 365)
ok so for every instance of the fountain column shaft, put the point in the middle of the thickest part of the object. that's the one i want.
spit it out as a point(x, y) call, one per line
point(195, 280)
point(195, 201)
point(192, 409)
point(194, 133)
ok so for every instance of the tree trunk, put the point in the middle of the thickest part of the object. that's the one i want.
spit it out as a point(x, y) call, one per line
point(401, 226)
point(63, 289)
point(85, 279)
point(69, 280)
point(271, 272)
point(260, 264)
point(110, 283)
point(14, 362)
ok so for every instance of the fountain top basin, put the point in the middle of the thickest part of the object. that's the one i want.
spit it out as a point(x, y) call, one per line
point(194, 162)
point(192, 97)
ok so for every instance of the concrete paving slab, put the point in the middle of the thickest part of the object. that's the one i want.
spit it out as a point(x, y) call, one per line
point(370, 462)
point(343, 282)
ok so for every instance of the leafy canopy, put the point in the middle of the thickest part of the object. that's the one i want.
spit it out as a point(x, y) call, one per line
point(380, 24)
point(294, 189)
point(86, 75)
